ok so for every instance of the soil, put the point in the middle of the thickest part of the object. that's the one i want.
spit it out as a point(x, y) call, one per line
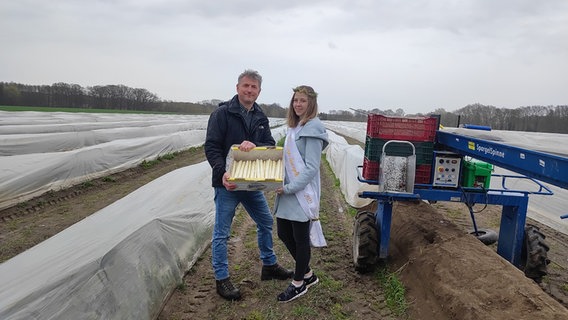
point(445, 272)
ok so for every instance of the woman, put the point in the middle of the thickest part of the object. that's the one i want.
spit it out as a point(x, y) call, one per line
point(297, 202)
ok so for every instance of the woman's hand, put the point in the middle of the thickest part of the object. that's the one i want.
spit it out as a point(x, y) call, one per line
point(279, 190)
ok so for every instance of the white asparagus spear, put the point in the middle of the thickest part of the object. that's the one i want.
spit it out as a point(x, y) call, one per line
point(233, 171)
point(273, 172)
point(246, 169)
point(239, 172)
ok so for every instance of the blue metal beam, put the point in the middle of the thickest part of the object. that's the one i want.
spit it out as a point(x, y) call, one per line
point(545, 167)
point(383, 220)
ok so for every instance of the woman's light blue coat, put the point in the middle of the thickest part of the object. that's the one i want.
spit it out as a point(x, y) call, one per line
point(310, 140)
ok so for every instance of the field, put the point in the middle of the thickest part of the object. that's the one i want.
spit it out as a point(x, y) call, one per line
point(435, 269)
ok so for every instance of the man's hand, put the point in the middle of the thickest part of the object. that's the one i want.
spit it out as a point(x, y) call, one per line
point(246, 146)
point(228, 185)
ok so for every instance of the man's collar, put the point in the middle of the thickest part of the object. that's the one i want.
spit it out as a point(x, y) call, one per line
point(245, 110)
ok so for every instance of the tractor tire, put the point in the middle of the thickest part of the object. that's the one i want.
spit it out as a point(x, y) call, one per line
point(534, 255)
point(365, 242)
point(486, 236)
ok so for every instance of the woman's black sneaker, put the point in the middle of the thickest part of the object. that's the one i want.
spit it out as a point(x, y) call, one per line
point(311, 280)
point(292, 292)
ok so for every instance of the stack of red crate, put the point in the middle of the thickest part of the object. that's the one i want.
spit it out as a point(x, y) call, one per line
point(420, 131)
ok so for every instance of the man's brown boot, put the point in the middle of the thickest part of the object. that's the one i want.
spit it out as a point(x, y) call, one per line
point(226, 290)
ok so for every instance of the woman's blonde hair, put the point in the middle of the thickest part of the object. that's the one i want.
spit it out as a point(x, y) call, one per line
point(312, 110)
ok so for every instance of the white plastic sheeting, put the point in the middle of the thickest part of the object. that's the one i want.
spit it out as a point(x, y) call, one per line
point(344, 160)
point(18, 144)
point(355, 130)
point(43, 151)
point(119, 263)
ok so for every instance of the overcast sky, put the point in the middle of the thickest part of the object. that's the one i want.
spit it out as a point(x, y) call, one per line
point(415, 55)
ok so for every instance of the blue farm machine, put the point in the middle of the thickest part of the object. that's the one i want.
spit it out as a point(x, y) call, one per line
point(412, 159)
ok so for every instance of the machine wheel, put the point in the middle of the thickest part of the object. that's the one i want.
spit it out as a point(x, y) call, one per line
point(534, 255)
point(365, 242)
point(486, 236)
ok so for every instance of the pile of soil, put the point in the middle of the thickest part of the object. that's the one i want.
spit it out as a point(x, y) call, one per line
point(446, 272)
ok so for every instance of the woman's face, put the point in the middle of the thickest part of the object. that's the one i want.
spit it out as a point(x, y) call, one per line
point(300, 103)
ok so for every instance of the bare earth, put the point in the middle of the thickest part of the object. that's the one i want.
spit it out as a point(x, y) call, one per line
point(447, 273)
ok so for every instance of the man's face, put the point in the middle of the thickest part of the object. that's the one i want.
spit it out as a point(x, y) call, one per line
point(248, 90)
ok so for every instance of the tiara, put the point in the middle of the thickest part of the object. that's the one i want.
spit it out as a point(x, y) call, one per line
point(309, 91)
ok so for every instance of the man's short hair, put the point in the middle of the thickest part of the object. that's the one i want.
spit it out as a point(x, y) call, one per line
point(253, 74)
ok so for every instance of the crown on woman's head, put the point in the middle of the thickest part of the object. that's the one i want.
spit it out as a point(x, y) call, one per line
point(307, 90)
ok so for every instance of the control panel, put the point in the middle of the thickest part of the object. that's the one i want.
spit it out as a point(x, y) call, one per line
point(446, 169)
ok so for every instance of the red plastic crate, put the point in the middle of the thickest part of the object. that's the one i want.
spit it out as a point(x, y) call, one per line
point(401, 128)
point(423, 174)
point(370, 169)
point(371, 172)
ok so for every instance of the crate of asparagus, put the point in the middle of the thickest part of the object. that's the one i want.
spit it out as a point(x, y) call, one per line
point(258, 169)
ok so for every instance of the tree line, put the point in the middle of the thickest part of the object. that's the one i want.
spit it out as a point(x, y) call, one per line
point(121, 97)
point(552, 119)
point(74, 96)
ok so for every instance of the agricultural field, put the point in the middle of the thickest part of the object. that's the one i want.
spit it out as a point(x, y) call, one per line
point(435, 270)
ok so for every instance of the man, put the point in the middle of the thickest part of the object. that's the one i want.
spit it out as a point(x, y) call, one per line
point(241, 122)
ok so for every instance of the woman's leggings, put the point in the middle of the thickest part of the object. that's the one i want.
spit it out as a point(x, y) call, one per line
point(296, 238)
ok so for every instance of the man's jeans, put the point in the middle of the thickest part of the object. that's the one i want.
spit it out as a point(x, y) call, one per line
point(225, 204)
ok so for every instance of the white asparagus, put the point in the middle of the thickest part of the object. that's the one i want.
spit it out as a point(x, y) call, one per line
point(239, 170)
point(247, 172)
point(236, 166)
point(257, 169)
point(233, 171)
point(242, 169)
point(274, 168)
point(245, 169)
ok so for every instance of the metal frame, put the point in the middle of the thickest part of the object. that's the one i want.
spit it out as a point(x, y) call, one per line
point(533, 165)
point(513, 216)
point(545, 167)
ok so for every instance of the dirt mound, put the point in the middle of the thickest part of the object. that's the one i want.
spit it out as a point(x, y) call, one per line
point(452, 275)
